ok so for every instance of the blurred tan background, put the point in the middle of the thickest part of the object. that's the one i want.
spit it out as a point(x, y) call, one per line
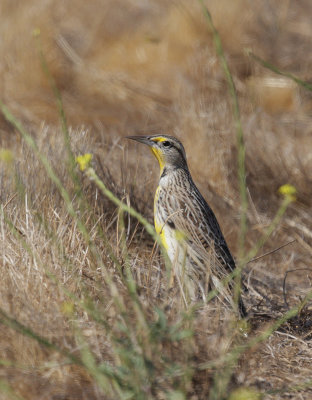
point(127, 62)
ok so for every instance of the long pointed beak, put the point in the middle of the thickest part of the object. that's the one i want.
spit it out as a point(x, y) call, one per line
point(142, 139)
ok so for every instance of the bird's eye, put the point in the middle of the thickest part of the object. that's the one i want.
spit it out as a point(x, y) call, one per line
point(166, 143)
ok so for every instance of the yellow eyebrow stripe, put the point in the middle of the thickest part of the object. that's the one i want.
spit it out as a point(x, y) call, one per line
point(159, 139)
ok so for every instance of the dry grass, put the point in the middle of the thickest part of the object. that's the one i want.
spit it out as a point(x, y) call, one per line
point(127, 67)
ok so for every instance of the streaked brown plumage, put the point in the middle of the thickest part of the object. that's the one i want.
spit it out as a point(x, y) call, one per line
point(188, 227)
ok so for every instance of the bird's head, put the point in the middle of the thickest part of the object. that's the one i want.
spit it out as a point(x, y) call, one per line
point(168, 150)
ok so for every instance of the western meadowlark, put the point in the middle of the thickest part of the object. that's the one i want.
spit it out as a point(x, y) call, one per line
point(188, 227)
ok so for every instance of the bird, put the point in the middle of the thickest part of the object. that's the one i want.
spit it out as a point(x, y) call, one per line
point(187, 226)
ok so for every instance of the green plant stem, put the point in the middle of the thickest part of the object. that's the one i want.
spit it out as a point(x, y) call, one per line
point(277, 218)
point(10, 393)
point(242, 348)
point(294, 388)
point(277, 71)
point(222, 377)
point(241, 152)
point(55, 179)
point(24, 330)
point(239, 134)
point(65, 195)
point(124, 207)
point(60, 106)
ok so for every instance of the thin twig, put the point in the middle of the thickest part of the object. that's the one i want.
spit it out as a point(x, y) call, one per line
point(167, 219)
point(272, 251)
point(9, 201)
point(291, 336)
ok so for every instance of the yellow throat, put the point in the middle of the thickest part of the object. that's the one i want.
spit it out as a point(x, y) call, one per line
point(158, 154)
point(159, 157)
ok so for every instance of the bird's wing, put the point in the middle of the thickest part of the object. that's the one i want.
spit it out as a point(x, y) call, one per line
point(205, 242)
point(193, 217)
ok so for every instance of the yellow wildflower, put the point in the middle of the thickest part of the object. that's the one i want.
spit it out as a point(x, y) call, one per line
point(288, 191)
point(84, 160)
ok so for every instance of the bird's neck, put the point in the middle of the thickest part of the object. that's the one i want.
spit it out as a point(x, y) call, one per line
point(170, 170)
